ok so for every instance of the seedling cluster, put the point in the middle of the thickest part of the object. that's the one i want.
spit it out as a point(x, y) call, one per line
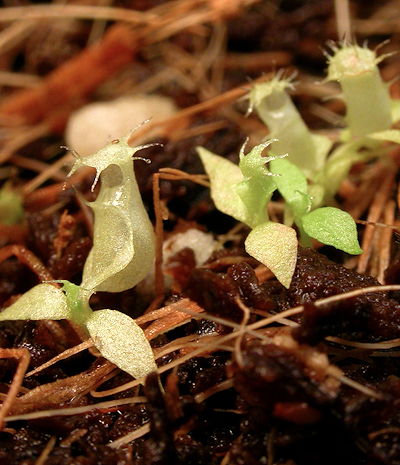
point(307, 179)
point(302, 172)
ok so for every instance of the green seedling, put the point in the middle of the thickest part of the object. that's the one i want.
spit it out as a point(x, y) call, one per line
point(244, 191)
point(370, 112)
point(309, 178)
point(122, 254)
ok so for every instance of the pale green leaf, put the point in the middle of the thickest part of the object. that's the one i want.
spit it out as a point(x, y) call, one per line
point(292, 184)
point(274, 245)
point(253, 163)
point(224, 177)
point(368, 106)
point(121, 341)
point(42, 302)
point(254, 195)
point(390, 135)
point(332, 226)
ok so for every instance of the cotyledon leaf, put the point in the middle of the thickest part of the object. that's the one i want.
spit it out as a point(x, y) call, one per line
point(292, 184)
point(224, 177)
point(274, 245)
point(123, 239)
point(42, 302)
point(332, 226)
point(121, 341)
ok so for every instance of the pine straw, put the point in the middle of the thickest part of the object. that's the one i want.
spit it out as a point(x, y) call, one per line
point(28, 258)
point(41, 460)
point(63, 356)
point(77, 410)
point(377, 207)
point(211, 104)
point(23, 357)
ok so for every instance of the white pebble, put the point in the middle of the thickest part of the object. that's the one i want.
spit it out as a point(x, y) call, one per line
point(94, 126)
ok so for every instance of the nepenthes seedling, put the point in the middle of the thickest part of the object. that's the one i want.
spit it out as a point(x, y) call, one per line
point(310, 176)
point(121, 256)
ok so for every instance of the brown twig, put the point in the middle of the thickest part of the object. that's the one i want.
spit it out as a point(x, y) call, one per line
point(28, 258)
point(374, 214)
point(41, 460)
point(386, 241)
point(66, 354)
point(214, 102)
point(23, 357)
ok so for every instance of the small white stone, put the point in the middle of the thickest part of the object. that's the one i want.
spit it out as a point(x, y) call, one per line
point(203, 244)
point(95, 125)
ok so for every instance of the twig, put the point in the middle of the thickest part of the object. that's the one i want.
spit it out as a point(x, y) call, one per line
point(159, 278)
point(76, 410)
point(130, 436)
point(18, 79)
point(386, 241)
point(46, 451)
point(51, 171)
point(28, 258)
point(66, 354)
point(373, 216)
point(25, 13)
point(23, 357)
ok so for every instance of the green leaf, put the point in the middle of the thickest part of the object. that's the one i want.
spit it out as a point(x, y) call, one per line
point(253, 164)
point(274, 245)
point(332, 226)
point(255, 197)
point(42, 302)
point(292, 184)
point(390, 135)
point(121, 341)
point(224, 177)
